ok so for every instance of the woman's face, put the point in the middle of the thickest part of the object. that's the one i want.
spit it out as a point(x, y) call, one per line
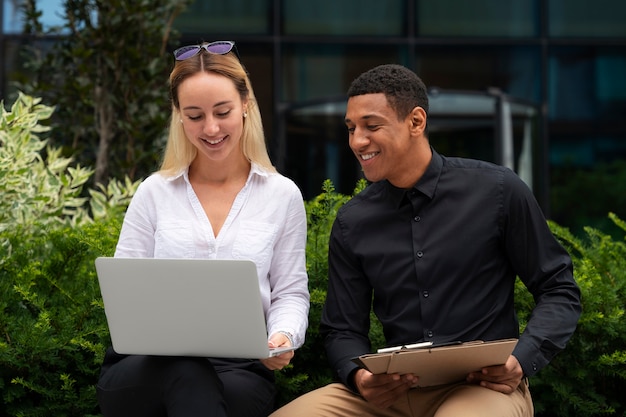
point(212, 115)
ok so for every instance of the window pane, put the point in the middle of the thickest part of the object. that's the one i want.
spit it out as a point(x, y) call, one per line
point(595, 76)
point(257, 58)
point(587, 18)
point(585, 150)
point(513, 18)
point(514, 70)
point(586, 105)
point(344, 17)
point(321, 71)
point(232, 16)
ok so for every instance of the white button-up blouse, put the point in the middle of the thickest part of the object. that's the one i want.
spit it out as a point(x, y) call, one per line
point(266, 224)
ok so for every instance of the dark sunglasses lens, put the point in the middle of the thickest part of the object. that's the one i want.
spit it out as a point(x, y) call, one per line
point(219, 48)
point(186, 52)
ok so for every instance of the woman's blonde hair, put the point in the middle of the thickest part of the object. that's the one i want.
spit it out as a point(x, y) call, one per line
point(179, 152)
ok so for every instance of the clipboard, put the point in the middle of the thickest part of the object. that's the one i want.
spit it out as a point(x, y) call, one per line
point(439, 365)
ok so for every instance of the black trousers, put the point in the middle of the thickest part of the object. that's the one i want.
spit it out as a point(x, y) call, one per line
point(157, 386)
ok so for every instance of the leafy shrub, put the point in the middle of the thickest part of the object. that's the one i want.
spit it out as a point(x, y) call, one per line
point(33, 188)
point(589, 377)
point(52, 326)
point(601, 185)
point(52, 320)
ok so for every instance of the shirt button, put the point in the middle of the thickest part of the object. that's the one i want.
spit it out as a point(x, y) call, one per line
point(425, 294)
point(430, 333)
point(417, 218)
point(419, 254)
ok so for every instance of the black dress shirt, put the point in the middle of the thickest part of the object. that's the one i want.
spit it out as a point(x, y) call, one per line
point(438, 263)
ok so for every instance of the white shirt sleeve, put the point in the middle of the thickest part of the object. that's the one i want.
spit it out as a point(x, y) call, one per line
point(288, 278)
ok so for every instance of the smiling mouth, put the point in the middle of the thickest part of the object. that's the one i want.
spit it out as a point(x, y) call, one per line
point(368, 156)
point(214, 142)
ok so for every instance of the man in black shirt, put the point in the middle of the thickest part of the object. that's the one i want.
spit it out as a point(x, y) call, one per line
point(434, 246)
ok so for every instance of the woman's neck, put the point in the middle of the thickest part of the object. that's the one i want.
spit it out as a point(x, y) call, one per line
point(203, 171)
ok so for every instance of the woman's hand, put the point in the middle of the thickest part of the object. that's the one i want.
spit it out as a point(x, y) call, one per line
point(280, 361)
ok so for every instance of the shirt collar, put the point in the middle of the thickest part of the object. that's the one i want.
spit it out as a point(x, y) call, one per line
point(255, 169)
point(426, 185)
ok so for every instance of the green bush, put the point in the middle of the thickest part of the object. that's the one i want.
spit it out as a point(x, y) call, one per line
point(35, 187)
point(53, 331)
point(52, 326)
point(589, 377)
point(601, 185)
point(52, 320)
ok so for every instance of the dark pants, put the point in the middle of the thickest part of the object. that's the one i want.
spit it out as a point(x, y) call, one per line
point(157, 386)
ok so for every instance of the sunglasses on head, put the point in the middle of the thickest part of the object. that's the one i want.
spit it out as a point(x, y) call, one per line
point(217, 47)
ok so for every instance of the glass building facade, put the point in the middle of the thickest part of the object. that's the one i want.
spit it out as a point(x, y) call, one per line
point(565, 60)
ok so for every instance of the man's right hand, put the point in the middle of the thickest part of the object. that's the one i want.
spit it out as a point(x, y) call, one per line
point(382, 390)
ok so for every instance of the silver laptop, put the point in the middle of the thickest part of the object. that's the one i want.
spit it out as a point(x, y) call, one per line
point(184, 307)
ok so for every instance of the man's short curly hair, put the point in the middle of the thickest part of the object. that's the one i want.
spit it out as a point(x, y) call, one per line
point(402, 87)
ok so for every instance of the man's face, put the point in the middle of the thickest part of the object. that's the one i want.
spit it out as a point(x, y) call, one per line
point(382, 143)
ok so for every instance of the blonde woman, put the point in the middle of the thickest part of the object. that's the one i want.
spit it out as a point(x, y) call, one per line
point(216, 196)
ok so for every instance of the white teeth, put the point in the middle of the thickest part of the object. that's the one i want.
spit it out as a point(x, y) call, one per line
point(213, 142)
point(365, 157)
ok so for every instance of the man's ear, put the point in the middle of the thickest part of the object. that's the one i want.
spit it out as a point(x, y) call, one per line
point(417, 118)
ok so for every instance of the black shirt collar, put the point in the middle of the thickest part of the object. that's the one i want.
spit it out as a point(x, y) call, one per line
point(426, 185)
